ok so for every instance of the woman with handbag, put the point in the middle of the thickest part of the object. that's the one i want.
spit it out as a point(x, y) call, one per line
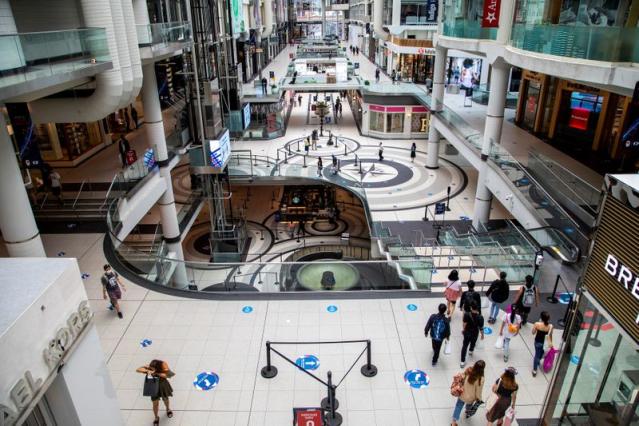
point(503, 397)
point(157, 386)
point(452, 292)
point(541, 330)
point(512, 324)
point(471, 395)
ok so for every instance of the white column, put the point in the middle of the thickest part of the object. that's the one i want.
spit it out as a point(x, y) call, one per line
point(397, 11)
point(432, 148)
point(157, 140)
point(18, 226)
point(499, 73)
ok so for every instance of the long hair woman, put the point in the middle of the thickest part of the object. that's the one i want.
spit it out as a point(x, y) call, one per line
point(452, 291)
point(541, 330)
point(473, 386)
point(506, 390)
point(160, 369)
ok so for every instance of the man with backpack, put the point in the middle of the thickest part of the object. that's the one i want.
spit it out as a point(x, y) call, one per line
point(473, 328)
point(439, 327)
point(498, 294)
point(111, 285)
point(527, 297)
point(469, 296)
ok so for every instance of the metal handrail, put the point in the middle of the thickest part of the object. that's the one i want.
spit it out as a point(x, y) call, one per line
point(44, 200)
point(106, 197)
point(78, 195)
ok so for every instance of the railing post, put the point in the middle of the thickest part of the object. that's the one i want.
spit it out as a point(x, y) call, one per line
point(356, 158)
point(304, 161)
point(298, 145)
point(368, 370)
point(269, 371)
point(286, 155)
point(278, 154)
point(553, 297)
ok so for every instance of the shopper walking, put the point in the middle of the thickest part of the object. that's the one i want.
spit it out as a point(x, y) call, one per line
point(320, 166)
point(56, 186)
point(123, 148)
point(452, 291)
point(160, 370)
point(413, 152)
point(473, 328)
point(505, 390)
point(472, 388)
point(510, 326)
point(393, 76)
point(134, 116)
point(112, 288)
point(498, 294)
point(377, 74)
point(439, 328)
point(380, 152)
point(542, 329)
point(526, 298)
point(307, 146)
point(299, 99)
point(469, 296)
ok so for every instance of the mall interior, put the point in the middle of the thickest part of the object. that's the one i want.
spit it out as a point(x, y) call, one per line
point(244, 212)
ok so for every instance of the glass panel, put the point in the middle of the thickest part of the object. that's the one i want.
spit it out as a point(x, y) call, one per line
point(463, 19)
point(160, 34)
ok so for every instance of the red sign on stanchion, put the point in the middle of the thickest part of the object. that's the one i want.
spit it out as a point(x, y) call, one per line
point(307, 417)
point(491, 14)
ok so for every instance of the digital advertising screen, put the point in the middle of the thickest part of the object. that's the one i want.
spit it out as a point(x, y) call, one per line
point(220, 150)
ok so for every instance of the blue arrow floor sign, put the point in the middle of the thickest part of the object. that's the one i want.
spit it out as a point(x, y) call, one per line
point(308, 362)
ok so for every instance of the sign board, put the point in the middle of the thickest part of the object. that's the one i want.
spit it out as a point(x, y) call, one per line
point(431, 11)
point(237, 17)
point(308, 362)
point(416, 379)
point(440, 208)
point(307, 417)
point(220, 150)
point(612, 274)
point(246, 115)
point(491, 14)
point(630, 134)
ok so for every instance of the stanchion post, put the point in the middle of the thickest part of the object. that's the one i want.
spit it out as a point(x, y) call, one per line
point(425, 218)
point(553, 297)
point(330, 404)
point(304, 161)
point(345, 151)
point(298, 145)
point(269, 371)
point(278, 154)
point(368, 370)
point(286, 156)
point(356, 158)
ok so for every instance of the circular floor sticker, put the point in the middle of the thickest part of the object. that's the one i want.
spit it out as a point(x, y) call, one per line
point(574, 359)
point(411, 307)
point(488, 331)
point(308, 362)
point(416, 379)
point(145, 343)
point(331, 308)
point(206, 381)
point(564, 298)
point(247, 309)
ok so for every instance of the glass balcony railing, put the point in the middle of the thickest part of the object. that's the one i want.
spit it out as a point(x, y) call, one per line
point(162, 34)
point(611, 44)
point(28, 56)
point(466, 28)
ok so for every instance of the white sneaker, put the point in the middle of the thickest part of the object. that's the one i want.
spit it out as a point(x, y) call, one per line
point(462, 364)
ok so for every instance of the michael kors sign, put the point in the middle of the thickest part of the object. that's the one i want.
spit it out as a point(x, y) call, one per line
point(26, 388)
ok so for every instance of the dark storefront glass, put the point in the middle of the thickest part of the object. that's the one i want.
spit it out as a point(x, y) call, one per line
point(578, 118)
point(531, 105)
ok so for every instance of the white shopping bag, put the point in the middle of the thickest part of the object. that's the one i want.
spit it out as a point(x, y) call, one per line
point(499, 343)
point(447, 347)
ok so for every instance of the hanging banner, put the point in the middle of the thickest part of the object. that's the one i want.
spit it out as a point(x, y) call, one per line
point(431, 11)
point(490, 18)
point(237, 18)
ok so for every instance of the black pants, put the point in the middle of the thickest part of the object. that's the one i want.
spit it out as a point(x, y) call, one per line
point(468, 340)
point(437, 347)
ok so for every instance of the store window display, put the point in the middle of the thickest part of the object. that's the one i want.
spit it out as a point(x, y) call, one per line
point(377, 121)
point(395, 122)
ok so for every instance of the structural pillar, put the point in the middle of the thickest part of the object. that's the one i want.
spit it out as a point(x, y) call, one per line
point(18, 226)
point(499, 74)
point(157, 140)
point(437, 95)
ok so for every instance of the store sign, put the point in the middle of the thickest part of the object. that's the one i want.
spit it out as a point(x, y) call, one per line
point(424, 126)
point(612, 274)
point(431, 10)
point(624, 276)
point(579, 118)
point(308, 417)
point(491, 14)
point(26, 388)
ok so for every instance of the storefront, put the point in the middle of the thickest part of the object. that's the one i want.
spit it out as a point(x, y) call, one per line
point(52, 366)
point(406, 121)
point(585, 122)
point(413, 59)
point(597, 378)
point(533, 92)
point(268, 119)
point(61, 144)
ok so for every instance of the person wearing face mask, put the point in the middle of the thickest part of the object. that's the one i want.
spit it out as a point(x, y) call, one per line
point(527, 297)
point(111, 287)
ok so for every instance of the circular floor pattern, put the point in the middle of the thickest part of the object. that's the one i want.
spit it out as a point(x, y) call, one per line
point(310, 275)
point(323, 149)
point(326, 228)
point(376, 174)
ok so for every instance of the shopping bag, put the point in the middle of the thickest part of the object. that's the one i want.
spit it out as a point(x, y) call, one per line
point(549, 360)
point(509, 418)
point(472, 408)
point(447, 347)
point(492, 400)
point(151, 386)
point(131, 157)
point(499, 343)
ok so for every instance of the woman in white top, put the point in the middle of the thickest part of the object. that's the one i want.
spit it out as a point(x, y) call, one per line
point(452, 292)
point(510, 326)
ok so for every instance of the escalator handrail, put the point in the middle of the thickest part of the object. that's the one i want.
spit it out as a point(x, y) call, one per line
point(559, 231)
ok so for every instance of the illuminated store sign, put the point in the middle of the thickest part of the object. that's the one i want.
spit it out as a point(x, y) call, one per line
point(491, 14)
